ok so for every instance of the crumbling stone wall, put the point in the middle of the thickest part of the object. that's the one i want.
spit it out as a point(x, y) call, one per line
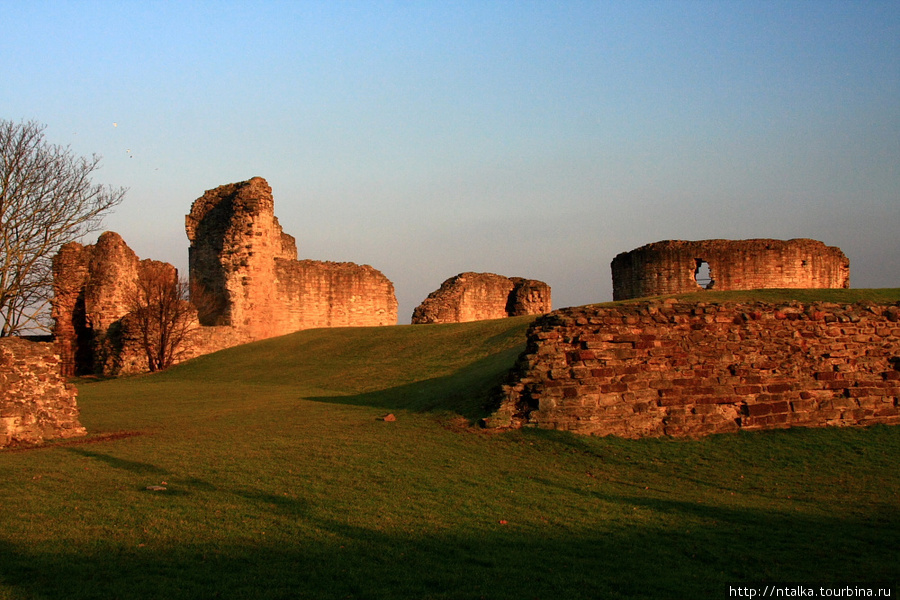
point(235, 239)
point(479, 296)
point(95, 287)
point(36, 403)
point(92, 286)
point(242, 259)
point(332, 294)
point(669, 368)
point(671, 267)
point(245, 278)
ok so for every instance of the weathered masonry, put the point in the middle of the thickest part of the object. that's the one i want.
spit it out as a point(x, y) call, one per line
point(245, 269)
point(675, 267)
point(479, 296)
point(687, 369)
point(248, 267)
point(94, 287)
point(36, 403)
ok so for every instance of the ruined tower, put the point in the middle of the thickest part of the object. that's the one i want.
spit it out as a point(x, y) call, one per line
point(247, 268)
point(677, 266)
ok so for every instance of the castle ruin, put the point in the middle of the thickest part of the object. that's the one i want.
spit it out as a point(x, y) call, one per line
point(241, 263)
point(240, 257)
point(479, 296)
point(676, 267)
point(94, 291)
point(664, 367)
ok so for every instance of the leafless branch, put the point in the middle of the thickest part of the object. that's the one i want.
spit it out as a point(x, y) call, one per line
point(47, 199)
point(160, 309)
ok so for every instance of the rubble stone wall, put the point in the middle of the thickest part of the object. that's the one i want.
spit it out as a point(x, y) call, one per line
point(314, 293)
point(246, 283)
point(688, 369)
point(671, 267)
point(241, 257)
point(36, 403)
point(479, 296)
point(235, 238)
point(92, 289)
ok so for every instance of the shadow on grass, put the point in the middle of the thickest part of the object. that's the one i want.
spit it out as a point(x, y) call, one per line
point(466, 392)
point(640, 560)
point(131, 466)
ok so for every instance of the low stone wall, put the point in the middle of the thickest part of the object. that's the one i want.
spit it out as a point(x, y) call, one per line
point(690, 369)
point(36, 403)
point(206, 340)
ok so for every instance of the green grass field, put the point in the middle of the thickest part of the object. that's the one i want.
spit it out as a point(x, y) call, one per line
point(282, 481)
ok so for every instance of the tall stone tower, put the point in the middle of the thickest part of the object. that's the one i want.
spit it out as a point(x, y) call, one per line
point(247, 271)
point(235, 239)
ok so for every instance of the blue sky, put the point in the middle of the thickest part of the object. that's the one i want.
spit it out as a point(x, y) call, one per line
point(534, 139)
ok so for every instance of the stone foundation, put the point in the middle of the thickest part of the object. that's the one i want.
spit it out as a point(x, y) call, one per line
point(690, 369)
point(36, 403)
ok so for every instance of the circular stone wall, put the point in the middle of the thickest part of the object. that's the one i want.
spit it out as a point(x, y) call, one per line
point(676, 267)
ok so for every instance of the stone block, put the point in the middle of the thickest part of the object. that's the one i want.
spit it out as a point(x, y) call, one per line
point(747, 390)
point(779, 388)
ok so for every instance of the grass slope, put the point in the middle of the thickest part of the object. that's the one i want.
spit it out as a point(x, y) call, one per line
point(282, 482)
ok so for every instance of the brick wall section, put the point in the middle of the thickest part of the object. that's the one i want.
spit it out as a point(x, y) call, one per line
point(669, 267)
point(479, 296)
point(688, 369)
point(36, 403)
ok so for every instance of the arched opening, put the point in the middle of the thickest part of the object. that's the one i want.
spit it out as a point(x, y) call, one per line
point(703, 274)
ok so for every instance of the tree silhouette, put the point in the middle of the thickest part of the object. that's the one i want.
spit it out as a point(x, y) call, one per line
point(162, 314)
point(47, 199)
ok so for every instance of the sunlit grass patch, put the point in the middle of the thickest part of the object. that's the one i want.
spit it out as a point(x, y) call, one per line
point(281, 480)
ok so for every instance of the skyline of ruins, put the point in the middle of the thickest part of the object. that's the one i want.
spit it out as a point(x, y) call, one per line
point(431, 140)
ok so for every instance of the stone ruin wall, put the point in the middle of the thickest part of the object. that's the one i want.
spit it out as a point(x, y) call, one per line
point(657, 368)
point(36, 403)
point(332, 294)
point(253, 286)
point(479, 296)
point(670, 267)
point(94, 289)
point(248, 266)
point(235, 238)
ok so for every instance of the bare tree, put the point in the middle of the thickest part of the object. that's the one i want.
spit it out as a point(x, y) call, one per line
point(47, 199)
point(161, 312)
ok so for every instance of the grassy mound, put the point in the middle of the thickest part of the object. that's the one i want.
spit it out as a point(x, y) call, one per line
point(281, 480)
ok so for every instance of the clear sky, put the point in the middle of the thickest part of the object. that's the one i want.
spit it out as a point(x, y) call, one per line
point(532, 139)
